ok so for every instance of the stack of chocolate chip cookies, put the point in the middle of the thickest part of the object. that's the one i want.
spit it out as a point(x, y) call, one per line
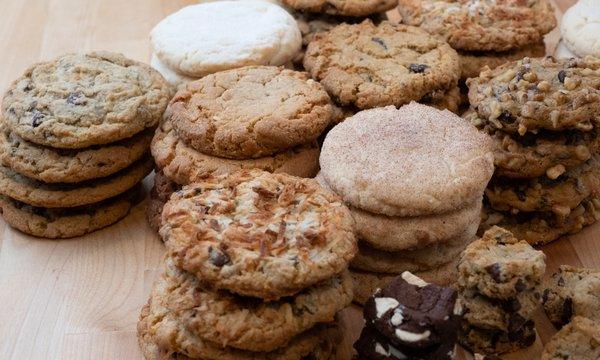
point(256, 268)
point(543, 115)
point(409, 319)
point(262, 117)
point(485, 33)
point(414, 179)
point(74, 138)
point(499, 281)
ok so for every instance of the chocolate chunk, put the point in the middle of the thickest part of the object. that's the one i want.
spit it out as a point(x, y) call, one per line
point(37, 119)
point(418, 68)
point(520, 194)
point(76, 98)
point(561, 76)
point(506, 118)
point(380, 42)
point(218, 257)
point(495, 271)
point(567, 311)
point(520, 286)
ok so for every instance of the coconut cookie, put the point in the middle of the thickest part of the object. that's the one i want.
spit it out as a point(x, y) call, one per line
point(562, 52)
point(80, 100)
point(578, 340)
point(214, 36)
point(173, 77)
point(264, 235)
point(579, 28)
point(250, 112)
point(368, 65)
point(476, 25)
point(358, 8)
point(374, 161)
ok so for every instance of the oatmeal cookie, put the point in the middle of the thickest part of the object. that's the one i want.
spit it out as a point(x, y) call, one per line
point(446, 100)
point(368, 65)
point(533, 94)
point(259, 234)
point(579, 340)
point(495, 341)
point(357, 8)
point(159, 195)
point(80, 100)
point(250, 112)
point(476, 25)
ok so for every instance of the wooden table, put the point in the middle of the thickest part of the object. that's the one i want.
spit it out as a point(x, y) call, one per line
point(80, 298)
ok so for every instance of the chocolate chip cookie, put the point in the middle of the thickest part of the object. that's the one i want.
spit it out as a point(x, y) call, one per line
point(81, 100)
point(368, 65)
point(358, 8)
point(159, 195)
point(495, 341)
point(578, 340)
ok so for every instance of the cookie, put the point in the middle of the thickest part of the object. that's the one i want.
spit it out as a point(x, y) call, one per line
point(540, 228)
point(448, 100)
point(422, 259)
point(500, 266)
point(497, 342)
point(572, 292)
point(368, 65)
point(183, 164)
point(410, 313)
point(481, 25)
point(36, 193)
point(357, 8)
point(263, 235)
point(61, 223)
point(366, 283)
point(52, 165)
point(202, 39)
point(559, 196)
point(578, 340)
point(533, 94)
point(579, 28)
point(375, 161)
point(562, 52)
point(250, 112)
point(159, 195)
point(80, 100)
point(472, 62)
point(173, 77)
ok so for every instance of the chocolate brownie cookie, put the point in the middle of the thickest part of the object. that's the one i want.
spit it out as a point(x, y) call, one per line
point(39, 194)
point(358, 8)
point(497, 342)
point(80, 100)
point(263, 235)
point(52, 165)
point(368, 65)
point(476, 25)
point(579, 340)
point(250, 112)
point(572, 292)
point(533, 94)
point(500, 266)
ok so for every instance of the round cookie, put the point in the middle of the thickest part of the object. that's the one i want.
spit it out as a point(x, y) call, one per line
point(411, 161)
point(474, 25)
point(52, 165)
point(426, 258)
point(578, 340)
point(63, 223)
point(449, 100)
point(562, 52)
point(173, 77)
point(357, 8)
point(159, 195)
point(221, 318)
point(367, 65)
point(39, 194)
point(533, 94)
point(497, 342)
point(80, 100)
point(264, 235)
point(250, 112)
point(500, 266)
point(183, 164)
point(214, 36)
point(579, 28)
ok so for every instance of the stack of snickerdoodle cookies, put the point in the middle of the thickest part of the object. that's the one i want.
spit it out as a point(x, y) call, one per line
point(413, 178)
point(74, 141)
point(262, 117)
point(543, 115)
point(256, 268)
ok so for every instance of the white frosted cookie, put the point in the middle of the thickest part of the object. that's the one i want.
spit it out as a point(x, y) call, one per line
point(580, 27)
point(173, 77)
point(563, 52)
point(202, 39)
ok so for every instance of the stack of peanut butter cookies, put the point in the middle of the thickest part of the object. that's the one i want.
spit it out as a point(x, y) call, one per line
point(262, 117)
point(256, 268)
point(499, 279)
point(74, 138)
point(485, 33)
point(414, 179)
point(543, 115)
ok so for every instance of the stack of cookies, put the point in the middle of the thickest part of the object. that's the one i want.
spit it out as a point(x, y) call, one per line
point(262, 117)
point(409, 319)
point(256, 268)
point(485, 33)
point(499, 279)
point(414, 179)
point(74, 138)
point(543, 116)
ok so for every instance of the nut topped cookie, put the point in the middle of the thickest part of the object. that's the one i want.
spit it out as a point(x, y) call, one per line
point(358, 8)
point(481, 25)
point(534, 94)
point(259, 234)
point(80, 100)
point(368, 65)
point(250, 112)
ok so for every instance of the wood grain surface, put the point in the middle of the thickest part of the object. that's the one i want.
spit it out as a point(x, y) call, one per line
point(80, 298)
